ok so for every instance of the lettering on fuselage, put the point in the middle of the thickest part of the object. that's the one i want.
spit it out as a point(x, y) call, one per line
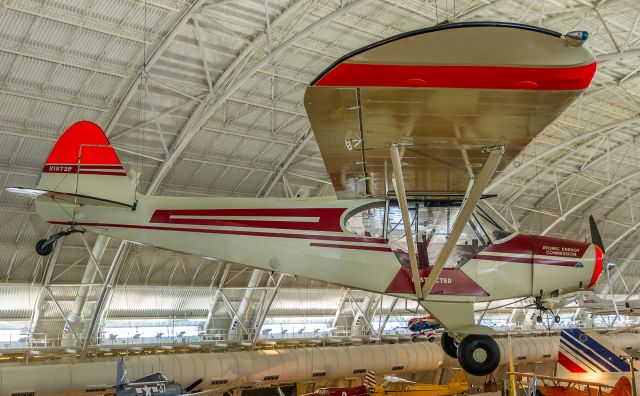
point(59, 168)
point(157, 389)
point(442, 280)
point(560, 251)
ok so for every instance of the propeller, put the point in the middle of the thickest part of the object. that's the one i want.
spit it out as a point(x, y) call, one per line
point(191, 387)
point(596, 239)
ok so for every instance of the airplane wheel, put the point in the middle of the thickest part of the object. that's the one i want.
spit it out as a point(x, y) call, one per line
point(449, 345)
point(539, 318)
point(478, 354)
point(414, 337)
point(556, 319)
point(42, 249)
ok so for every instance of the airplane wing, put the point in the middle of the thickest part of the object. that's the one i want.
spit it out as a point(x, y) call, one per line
point(444, 94)
point(561, 380)
point(394, 379)
point(204, 392)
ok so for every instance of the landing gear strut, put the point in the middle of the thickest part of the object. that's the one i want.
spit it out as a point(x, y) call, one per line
point(544, 310)
point(44, 247)
point(477, 354)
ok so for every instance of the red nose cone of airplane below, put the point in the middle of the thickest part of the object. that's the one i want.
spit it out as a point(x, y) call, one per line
point(597, 269)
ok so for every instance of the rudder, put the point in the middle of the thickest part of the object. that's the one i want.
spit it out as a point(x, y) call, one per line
point(83, 162)
point(580, 352)
point(121, 373)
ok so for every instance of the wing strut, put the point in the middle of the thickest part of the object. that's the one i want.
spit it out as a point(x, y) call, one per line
point(466, 209)
point(398, 185)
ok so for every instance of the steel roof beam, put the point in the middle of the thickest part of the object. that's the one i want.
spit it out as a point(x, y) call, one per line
point(506, 174)
point(204, 112)
point(151, 60)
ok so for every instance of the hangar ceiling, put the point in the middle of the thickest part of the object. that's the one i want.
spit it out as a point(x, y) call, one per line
point(204, 98)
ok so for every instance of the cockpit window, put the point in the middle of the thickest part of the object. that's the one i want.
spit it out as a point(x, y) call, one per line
point(430, 227)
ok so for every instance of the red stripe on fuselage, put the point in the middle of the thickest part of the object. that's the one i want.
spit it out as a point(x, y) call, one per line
point(231, 232)
point(356, 247)
point(328, 219)
point(479, 77)
point(569, 364)
point(527, 260)
point(523, 260)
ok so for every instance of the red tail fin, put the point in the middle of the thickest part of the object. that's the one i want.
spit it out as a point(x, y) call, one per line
point(84, 145)
point(83, 162)
point(622, 387)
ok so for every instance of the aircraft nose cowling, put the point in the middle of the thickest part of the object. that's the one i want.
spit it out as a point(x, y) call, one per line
point(564, 265)
point(597, 268)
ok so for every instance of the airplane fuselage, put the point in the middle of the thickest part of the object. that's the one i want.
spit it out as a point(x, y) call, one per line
point(308, 237)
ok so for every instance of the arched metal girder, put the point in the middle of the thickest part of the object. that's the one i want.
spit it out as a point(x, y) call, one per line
point(615, 207)
point(152, 59)
point(554, 164)
point(588, 199)
point(505, 175)
point(204, 111)
point(553, 190)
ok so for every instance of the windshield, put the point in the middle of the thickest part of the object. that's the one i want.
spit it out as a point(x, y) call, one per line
point(430, 227)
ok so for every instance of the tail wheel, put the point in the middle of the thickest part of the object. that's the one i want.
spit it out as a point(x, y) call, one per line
point(449, 345)
point(43, 248)
point(478, 354)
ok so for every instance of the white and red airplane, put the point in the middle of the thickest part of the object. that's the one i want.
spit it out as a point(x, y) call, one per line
point(441, 109)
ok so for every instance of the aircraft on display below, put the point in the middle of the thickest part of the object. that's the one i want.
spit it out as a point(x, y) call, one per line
point(588, 364)
point(597, 305)
point(363, 390)
point(397, 386)
point(411, 130)
point(155, 384)
point(423, 328)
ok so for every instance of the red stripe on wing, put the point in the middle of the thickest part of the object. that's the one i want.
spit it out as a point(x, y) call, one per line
point(479, 77)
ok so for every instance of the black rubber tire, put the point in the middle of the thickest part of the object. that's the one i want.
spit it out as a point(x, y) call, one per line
point(449, 345)
point(414, 337)
point(42, 249)
point(556, 319)
point(539, 318)
point(471, 344)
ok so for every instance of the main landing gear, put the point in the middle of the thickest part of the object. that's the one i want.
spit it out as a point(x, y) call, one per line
point(477, 354)
point(542, 310)
point(44, 247)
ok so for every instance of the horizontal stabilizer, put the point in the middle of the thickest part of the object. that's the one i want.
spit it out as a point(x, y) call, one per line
point(77, 199)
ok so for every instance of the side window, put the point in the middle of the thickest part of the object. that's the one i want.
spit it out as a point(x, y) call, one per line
point(367, 222)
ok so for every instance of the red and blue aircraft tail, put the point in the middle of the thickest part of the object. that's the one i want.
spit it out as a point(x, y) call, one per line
point(589, 354)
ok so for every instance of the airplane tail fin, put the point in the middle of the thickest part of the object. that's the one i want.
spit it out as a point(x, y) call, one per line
point(121, 373)
point(588, 353)
point(83, 163)
point(622, 387)
point(370, 379)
